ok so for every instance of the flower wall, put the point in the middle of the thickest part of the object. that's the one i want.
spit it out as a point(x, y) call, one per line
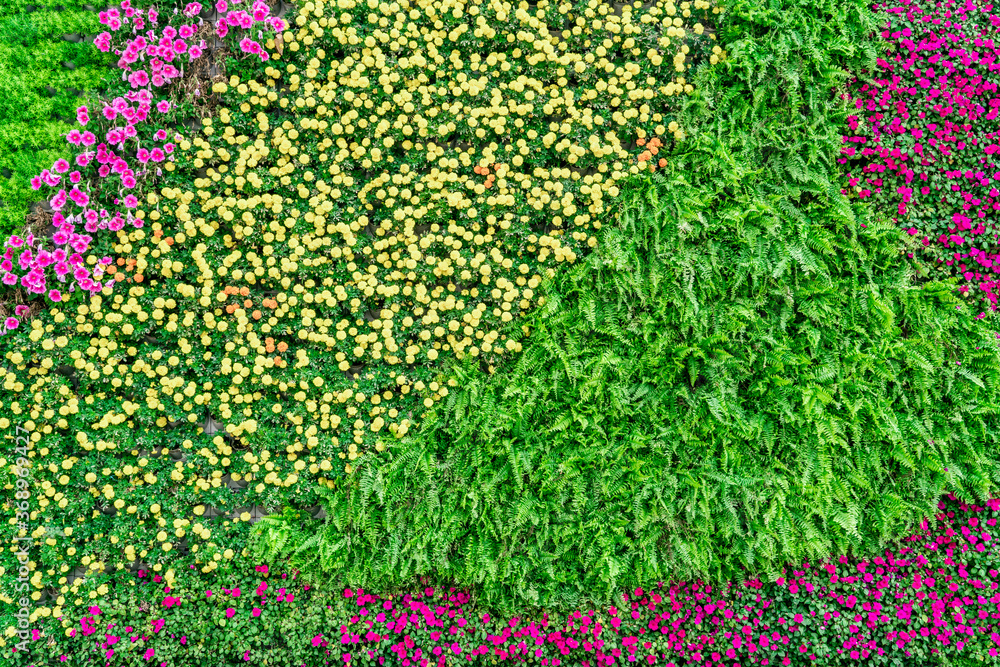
point(288, 253)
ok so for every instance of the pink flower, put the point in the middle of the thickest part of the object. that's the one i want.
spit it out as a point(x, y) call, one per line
point(54, 295)
point(163, 106)
point(61, 166)
point(315, 640)
point(230, 612)
point(139, 78)
point(11, 323)
point(256, 612)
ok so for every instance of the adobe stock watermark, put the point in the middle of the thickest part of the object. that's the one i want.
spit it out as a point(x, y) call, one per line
point(22, 514)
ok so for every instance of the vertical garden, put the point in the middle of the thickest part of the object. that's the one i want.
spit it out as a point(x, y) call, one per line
point(440, 333)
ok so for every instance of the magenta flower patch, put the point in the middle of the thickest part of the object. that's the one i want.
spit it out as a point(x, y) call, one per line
point(924, 143)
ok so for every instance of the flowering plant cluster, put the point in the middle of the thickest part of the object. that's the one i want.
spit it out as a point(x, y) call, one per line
point(303, 267)
point(935, 596)
point(128, 142)
point(924, 142)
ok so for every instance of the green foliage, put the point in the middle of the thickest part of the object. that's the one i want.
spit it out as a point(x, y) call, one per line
point(32, 119)
point(745, 373)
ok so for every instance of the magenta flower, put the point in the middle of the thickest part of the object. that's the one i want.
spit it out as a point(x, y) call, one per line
point(256, 612)
point(230, 612)
point(10, 323)
point(139, 78)
point(61, 166)
point(163, 106)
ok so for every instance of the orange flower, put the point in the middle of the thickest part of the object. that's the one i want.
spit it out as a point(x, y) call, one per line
point(121, 261)
point(170, 240)
point(158, 233)
point(244, 291)
point(138, 277)
point(230, 308)
point(641, 142)
point(663, 162)
point(247, 303)
point(654, 150)
point(269, 345)
point(257, 314)
point(644, 156)
point(282, 346)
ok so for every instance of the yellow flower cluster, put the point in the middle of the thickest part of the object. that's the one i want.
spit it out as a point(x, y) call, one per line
point(394, 199)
